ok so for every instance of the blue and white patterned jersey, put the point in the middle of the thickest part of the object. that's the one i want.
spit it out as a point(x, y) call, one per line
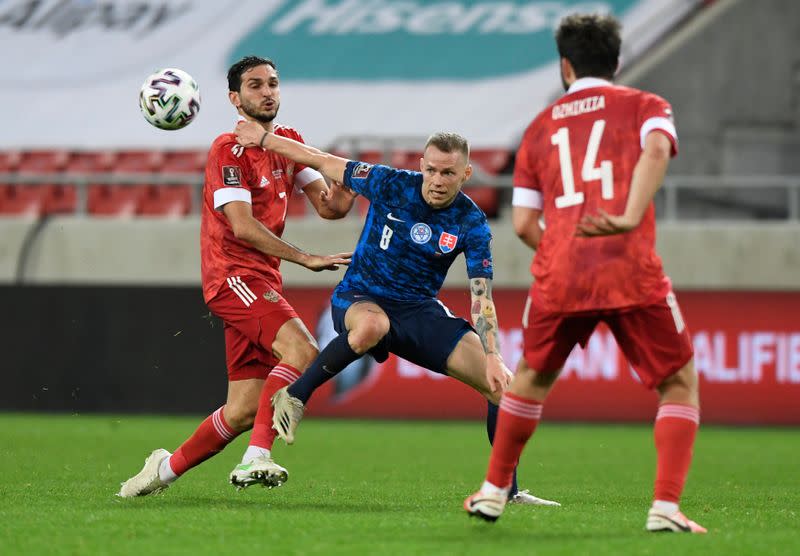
point(407, 246)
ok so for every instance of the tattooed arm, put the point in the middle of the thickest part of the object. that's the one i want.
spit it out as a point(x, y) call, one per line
point(484, 317)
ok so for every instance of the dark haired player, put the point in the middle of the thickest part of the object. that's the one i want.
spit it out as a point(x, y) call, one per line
point(591, 163)
point(245, 199)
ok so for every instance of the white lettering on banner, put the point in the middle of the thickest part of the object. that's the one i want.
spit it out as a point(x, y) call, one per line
point(791, 372)
point(422, 18)
point(65, 18)
point(756, 352)
point(751, 356)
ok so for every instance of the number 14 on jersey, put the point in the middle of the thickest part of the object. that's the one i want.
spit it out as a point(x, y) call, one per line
point(589, 171)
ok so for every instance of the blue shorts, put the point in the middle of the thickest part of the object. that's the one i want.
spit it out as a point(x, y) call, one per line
point(422, 332)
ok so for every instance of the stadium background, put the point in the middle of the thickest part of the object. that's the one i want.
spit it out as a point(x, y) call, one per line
point(108, 351)
point(99, 258)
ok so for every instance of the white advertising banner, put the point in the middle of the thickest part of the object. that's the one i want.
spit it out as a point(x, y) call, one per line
point(70, 70)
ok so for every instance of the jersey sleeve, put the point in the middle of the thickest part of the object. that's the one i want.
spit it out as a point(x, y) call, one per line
point(369, 180)
point(527, 191)
point(478, 251)
point(655, 114)
point(303, 175)
point(228, 174)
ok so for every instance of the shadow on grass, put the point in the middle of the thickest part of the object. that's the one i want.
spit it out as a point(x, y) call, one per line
point(249, 504)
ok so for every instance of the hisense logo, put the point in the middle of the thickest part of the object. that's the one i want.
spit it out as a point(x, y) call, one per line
point(369, 40)
point(369, 17)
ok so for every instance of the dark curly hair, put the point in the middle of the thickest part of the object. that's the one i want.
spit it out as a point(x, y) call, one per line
point(248, 62)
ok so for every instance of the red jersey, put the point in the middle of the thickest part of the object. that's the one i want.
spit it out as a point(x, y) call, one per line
point(577, 156)
point(261, 178)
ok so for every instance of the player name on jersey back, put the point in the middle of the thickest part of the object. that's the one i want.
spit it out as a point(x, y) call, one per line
point(578, 107)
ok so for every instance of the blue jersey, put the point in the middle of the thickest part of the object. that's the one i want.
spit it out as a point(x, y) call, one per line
point(407, 246)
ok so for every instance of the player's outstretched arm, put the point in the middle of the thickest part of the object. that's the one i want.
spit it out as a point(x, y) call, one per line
point(246, 228)
point(648, 175)
point(484, 317)
point(251, 134)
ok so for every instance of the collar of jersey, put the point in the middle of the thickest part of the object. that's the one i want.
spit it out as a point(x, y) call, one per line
point(587, 83)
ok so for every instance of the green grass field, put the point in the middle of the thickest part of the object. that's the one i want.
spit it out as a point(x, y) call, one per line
point(361, 487)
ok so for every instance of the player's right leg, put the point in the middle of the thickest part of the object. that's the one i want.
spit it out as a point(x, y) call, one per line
point(361, 324)
point(548, 340)
point(520, 410)
point(161, 468)
point(247, 368)
point(467, 363)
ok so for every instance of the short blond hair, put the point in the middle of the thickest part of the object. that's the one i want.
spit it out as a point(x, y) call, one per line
point(448, 142)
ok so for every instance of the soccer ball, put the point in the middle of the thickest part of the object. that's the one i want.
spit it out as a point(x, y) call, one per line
point(169, 99)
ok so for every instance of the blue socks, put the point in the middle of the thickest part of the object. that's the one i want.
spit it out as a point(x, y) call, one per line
point(331, 361)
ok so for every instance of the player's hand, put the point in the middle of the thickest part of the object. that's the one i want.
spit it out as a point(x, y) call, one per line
point(248, 134)
point(318, 263)
point(604, 224)
point(497, 374)
point(336, 189)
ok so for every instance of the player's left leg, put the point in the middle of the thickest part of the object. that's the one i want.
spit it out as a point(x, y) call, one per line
point(278, 342)
point(295, 348)
point(658, 345)
point(674, 432)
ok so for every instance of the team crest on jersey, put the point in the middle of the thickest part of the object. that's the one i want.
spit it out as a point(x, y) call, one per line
point(361, 170)
point(232, 175)
point(421, 233)
point(447, 242)
point(271, 296)
point(277, 174)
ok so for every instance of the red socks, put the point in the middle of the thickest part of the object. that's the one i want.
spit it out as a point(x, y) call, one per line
point(674, 432)
point(516, 422)
point(211, 437)
point(263, 435)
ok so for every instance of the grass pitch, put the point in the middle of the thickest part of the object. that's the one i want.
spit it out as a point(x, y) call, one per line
point(361, 487)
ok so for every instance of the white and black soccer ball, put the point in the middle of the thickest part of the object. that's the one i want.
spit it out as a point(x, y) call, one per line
point(169, 99)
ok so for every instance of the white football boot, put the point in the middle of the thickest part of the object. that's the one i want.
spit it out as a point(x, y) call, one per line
point(146, 481)
point(524, 497)
point(486, 506)
point(260, 471)
point(675, 523)
point(287, 413)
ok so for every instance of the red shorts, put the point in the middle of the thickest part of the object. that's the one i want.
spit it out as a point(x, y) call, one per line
point(252, 312)
point(654, 338)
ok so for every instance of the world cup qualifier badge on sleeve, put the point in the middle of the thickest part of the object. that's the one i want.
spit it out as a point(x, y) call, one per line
point(361, 170)
point(232, 176)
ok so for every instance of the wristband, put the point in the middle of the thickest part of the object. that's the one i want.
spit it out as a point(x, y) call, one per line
point(261, 142)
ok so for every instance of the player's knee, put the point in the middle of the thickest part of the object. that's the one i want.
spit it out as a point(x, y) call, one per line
point(493, 397)
point(367, 333)
point(303, 354)
point(240, 416)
